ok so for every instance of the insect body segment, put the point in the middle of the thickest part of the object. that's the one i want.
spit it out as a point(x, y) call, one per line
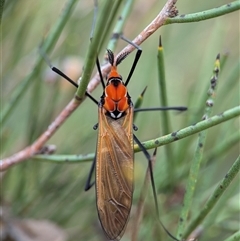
point(115, 98)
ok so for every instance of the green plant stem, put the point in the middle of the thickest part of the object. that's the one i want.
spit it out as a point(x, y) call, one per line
point(34, 114)
point(200, 16)
point(218, 151)
point(215, 214)
point(66, 158)
point(234, 237)
point(120, 23)
point(138, 103)
point(222, 186)
point(93, 49)
point(111, 19)
point(165, 120)
point(102, 28)
point(160, 141)
point(161, 75)
point(48, 45)
point(200, 126)
point(195, 166)
point(118, 29)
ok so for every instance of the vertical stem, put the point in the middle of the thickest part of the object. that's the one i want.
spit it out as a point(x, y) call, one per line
point(194, 169)
point(221, 187)
point(94, 48)
point(165, 120)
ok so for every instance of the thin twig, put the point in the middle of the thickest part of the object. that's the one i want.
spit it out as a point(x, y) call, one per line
point(204, 15)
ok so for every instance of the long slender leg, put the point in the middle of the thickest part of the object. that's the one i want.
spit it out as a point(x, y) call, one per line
point(148, 156)
point(178, 108)
point(88, 183)
point(59, 72)
point(100, 72)
point(137, 57)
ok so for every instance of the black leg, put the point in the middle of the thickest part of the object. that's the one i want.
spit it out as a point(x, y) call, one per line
point(100, 72)
point(88, 183)
point(59, 72)
point(137, 57)
point(148, 156)
point(177, 108)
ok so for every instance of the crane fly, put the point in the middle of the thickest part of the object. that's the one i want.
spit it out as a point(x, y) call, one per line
point(114, 156)
point(114, 159)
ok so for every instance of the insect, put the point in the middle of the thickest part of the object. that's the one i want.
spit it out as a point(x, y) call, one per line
point(114, 160)
point(114, 156)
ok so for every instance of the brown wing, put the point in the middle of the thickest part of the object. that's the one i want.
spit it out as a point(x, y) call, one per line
point(114, 172)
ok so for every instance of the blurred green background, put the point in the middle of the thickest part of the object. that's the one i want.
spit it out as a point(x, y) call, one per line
point(49, 191)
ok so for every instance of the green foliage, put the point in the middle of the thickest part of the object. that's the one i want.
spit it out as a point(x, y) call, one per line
point(32, 97)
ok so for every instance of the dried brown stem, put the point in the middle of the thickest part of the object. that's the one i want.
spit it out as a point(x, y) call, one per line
point(31, 150)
